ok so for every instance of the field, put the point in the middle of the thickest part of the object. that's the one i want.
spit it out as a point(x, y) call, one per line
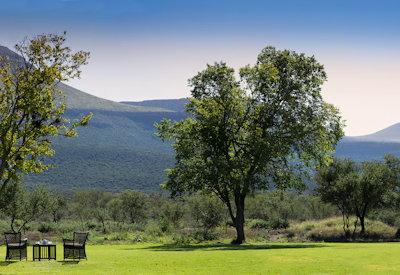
point(285, 258)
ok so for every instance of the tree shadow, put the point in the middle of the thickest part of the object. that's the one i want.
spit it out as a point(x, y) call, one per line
point(6, 263)
point(193, 247)
point(64, 262)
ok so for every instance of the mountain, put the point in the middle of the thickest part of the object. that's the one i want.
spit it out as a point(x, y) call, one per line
point(177, 105)
point(372, 146)
point(389, 134)
point(118, 150)
point(12, 56)
point(77, 99)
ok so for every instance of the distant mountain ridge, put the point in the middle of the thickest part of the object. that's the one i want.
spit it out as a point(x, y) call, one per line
point(77, 99)
point(389, 134)
point(177, 105)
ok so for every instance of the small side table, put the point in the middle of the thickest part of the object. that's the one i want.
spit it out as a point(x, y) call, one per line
point(44, 251)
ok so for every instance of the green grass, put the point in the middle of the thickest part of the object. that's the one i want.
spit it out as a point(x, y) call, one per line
point(285, 258)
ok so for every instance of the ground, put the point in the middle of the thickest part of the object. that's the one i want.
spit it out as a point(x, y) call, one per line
point(285, 258)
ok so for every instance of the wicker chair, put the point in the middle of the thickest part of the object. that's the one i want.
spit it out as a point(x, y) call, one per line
point(76, 248)
point(16, 247)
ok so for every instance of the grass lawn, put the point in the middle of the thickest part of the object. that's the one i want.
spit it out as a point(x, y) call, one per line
point(288, 258)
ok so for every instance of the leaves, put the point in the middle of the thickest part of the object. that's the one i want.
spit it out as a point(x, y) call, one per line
point(266, 128)
point(31, 105)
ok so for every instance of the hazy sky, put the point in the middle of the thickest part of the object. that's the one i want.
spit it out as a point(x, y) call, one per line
point(148, 49)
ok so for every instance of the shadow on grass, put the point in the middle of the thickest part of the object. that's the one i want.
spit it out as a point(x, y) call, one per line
point(175, 247)
point(64, 262)
point(6, 263)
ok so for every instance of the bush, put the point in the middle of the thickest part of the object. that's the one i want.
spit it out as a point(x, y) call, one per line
point(154, 229)
point(45, 227)
point(332, 230)
point(279, 224)
point(259, 224)
point(274, 224)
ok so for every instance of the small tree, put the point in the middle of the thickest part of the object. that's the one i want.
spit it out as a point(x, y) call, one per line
point(207, 212)
point(92, 204)
point(336, 185)
point(375, 182)
point(133, 205)
point(57, 206)
point(31, 105)
point(248, 134)
point(26, 206)
point(115, 208)
point(356, 188)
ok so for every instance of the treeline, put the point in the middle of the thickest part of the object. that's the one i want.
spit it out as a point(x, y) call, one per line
point(142, 216)
point(198, 215)
point(356, 191)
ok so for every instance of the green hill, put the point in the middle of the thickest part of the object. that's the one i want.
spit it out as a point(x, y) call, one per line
point(118, 150)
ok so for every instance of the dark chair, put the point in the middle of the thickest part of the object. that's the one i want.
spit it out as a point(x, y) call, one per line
point(75, 249)
point(16, 247)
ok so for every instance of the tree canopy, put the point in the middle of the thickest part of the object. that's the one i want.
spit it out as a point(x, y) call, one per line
point(250, 133)
point(31, 105)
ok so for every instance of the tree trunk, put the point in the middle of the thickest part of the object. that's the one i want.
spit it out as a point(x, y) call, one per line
point(239, 222)
point(362, 223)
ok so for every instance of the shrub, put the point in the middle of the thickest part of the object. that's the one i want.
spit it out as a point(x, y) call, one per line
point(259, 224)
point(45, 227)
point(279, 224)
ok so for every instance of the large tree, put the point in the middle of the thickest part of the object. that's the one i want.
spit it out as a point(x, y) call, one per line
point(32, 107)
point(250, 133)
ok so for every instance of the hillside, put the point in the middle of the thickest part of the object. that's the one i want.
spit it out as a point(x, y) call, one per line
point(177, 105)
point(372, 146)
point(77, 99)
point(366, 150)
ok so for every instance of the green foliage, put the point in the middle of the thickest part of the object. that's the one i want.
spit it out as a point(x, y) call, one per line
point(92, 204)
point(117, 151)
point(207, 212)
point(31, 106)
point(24, 207)
point(247, 134)
point(45, 227)
point(258, 224)
point(287, 206)
point(331, 230)
point(356, 189)
point(134, 204)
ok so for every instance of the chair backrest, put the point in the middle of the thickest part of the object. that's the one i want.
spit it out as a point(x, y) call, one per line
point(80, 237)
point(12, 237)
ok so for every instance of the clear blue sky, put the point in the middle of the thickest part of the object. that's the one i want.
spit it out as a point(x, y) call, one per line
point(148, 49)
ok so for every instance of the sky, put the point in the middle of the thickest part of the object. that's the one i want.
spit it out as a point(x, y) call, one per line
point(148, 49)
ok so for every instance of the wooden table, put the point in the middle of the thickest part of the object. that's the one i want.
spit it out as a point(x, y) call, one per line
point(44, 251)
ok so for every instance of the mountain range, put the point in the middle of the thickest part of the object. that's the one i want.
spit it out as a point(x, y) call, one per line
point(119, 150)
